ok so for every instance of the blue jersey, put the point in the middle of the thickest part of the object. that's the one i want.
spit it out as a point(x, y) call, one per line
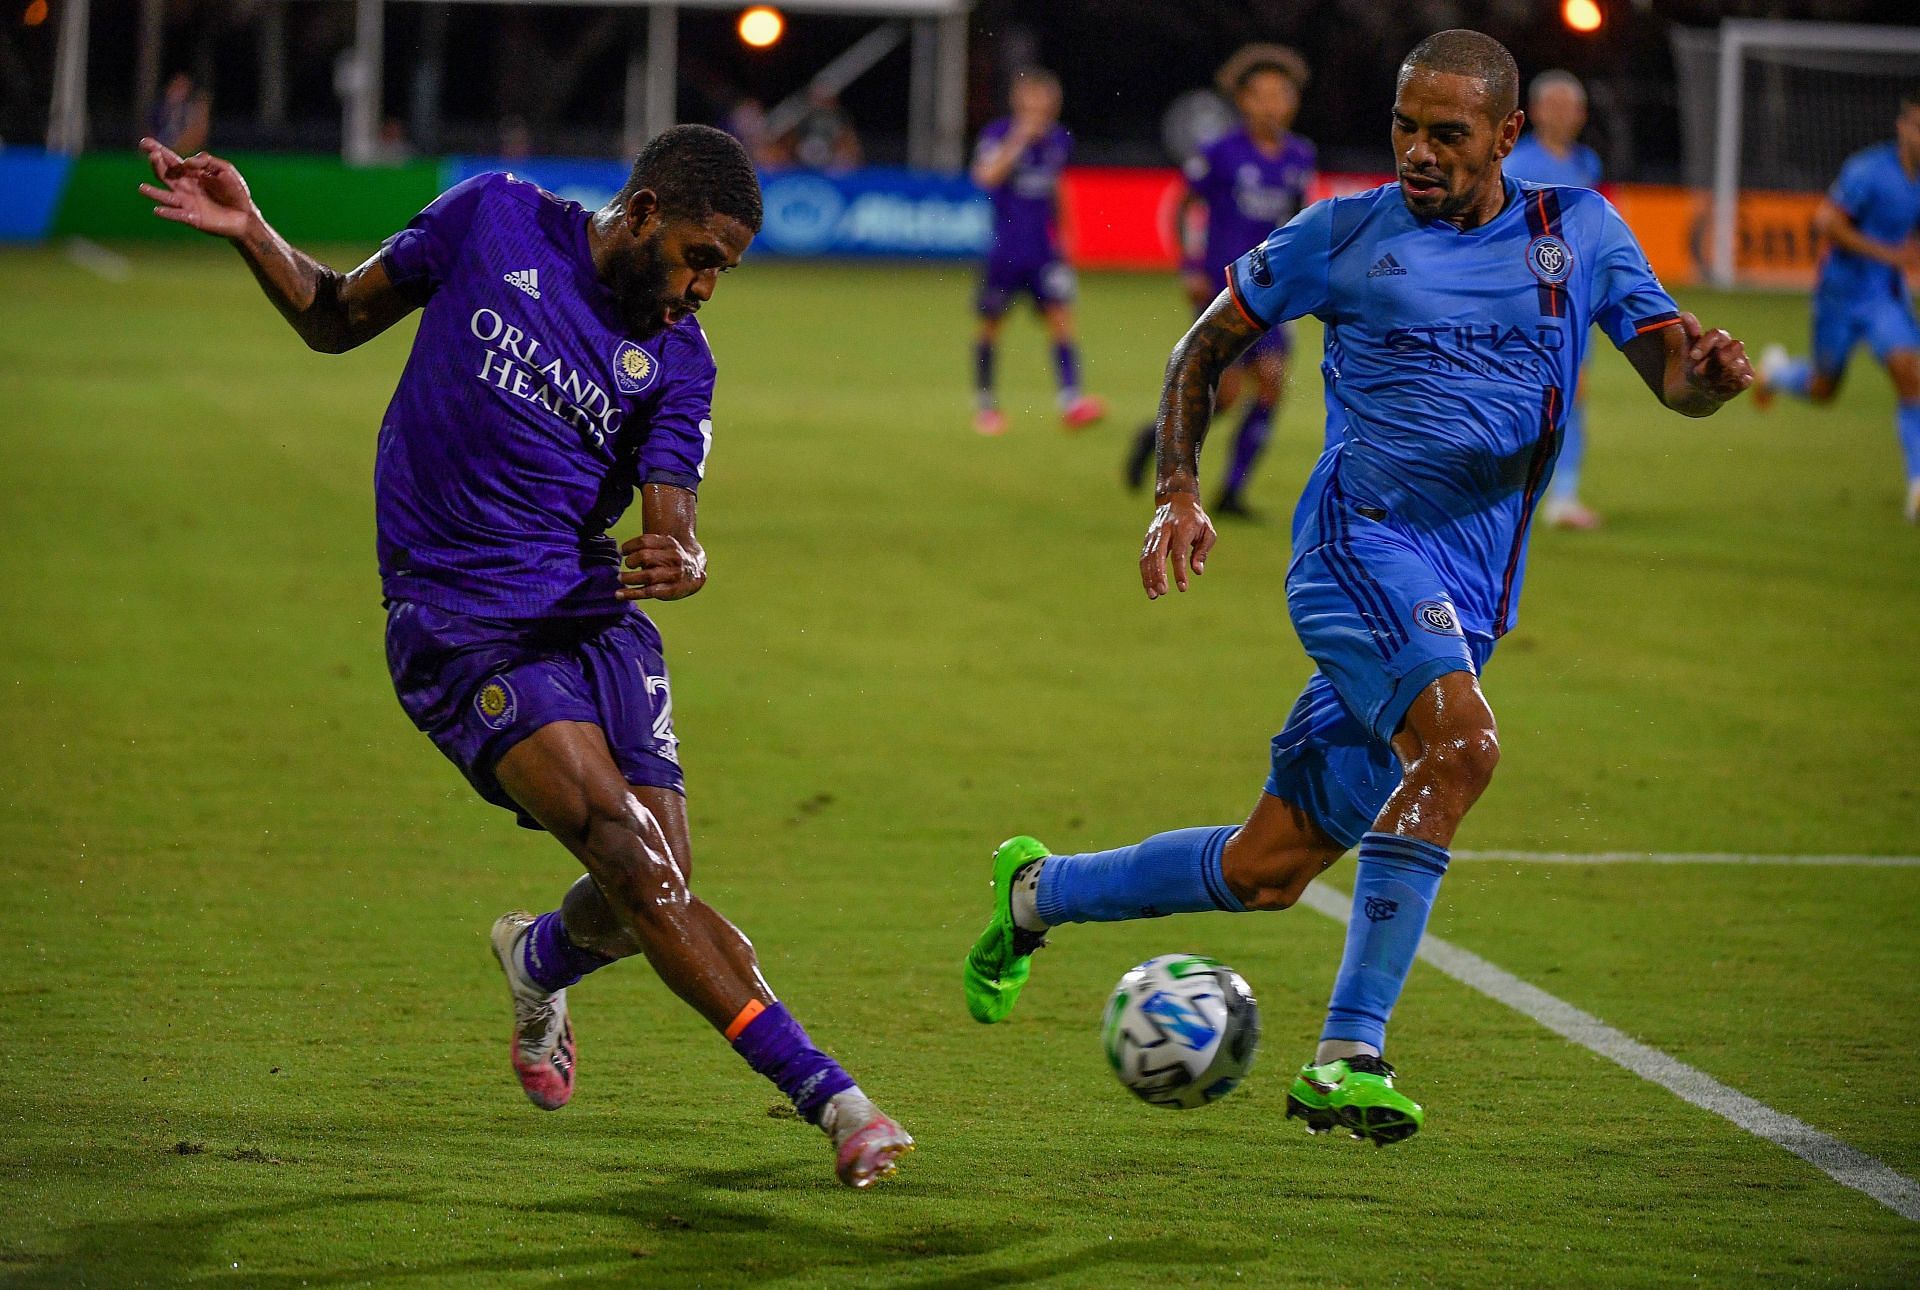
point(1883, 201)
point(1531, 161)
point(1451, 359)
point(1026, 203)
point(526, 415)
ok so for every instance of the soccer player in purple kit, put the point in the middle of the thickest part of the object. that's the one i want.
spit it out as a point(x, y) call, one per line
point(1018, 162)
point(1249, 181)
point(557, 368)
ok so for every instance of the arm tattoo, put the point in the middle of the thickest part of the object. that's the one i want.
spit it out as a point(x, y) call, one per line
point(1186, 401)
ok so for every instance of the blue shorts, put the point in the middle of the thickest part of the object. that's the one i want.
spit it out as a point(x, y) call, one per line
point(1380, 624)
point(1884, 323)
point(1049, 283)
point(478, 686)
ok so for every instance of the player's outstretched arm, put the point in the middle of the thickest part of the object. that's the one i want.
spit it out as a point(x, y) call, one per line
point(332, 311)
point(1694, 372)
point(1181, 533)
point(1835, 225)
point(665, 562)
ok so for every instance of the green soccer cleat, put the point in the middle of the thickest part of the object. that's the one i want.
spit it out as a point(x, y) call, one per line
point(998, 964)
point(1357, 1094)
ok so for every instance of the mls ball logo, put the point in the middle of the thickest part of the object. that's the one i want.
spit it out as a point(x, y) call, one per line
point(496, 704)
point(1549, 259)
point(633, 368)
point(1257, 267)
point(1437, 617)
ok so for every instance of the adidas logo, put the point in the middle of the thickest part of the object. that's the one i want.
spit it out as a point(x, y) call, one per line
point(528, 280)
point(1385, 267)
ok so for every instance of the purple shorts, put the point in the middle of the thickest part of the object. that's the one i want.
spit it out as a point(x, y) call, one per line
point(1051, 283)
point(478, 686)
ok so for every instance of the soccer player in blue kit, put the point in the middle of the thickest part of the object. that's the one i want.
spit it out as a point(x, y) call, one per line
point(1250, 181)
point(557, 368)
point(1550, 152)
point(1457, 303)
point(1871, 221)
point(1018, 161)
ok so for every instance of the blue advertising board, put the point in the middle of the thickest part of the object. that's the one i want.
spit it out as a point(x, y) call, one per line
point(31, 182)
point(878, 212)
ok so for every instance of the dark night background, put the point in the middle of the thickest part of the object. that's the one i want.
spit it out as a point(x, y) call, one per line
point(561, 70)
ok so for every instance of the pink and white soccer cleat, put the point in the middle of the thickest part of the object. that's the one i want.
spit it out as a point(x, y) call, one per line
point(542, 1050)
point(1083, 412)
point(867, 1144)
point(990, 422)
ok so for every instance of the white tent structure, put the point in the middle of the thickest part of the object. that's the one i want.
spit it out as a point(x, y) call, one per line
point(935, 29)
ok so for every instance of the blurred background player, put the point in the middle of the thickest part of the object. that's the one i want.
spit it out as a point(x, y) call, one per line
point(1018, 161)
point(1248, 182)
point(1551, 153)
point(1869, 220)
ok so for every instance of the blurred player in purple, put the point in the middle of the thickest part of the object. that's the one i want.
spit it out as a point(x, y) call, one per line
point(1018, 161)
point(1249, 181)
point(557, 369)
point(1551, 153)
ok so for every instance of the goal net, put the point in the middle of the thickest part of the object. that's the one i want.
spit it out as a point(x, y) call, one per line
point(1779, 106)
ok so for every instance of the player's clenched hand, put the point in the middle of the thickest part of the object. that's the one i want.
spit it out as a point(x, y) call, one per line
point(1181, 534)
point(200, 191)
point(661, 567)
point(1716, 362)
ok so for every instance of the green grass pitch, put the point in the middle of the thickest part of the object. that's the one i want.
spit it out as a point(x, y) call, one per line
point(253, 1033)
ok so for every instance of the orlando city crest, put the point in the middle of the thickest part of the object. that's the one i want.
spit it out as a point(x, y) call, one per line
point(633, 368)
point(496, 704)
point(1549, 259)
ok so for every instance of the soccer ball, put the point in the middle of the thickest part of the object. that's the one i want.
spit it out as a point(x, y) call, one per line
point(1180, 1030)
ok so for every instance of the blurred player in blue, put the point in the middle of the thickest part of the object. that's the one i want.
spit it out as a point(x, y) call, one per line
point(1018, 161)
point(1870, 220)
point(1551, 153)
point(1457, 304)
point(557, 369)
point(1248, 182)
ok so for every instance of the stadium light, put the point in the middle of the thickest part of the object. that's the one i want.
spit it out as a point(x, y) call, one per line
point(761, 26)
point(35, 15)
point(1584, 16)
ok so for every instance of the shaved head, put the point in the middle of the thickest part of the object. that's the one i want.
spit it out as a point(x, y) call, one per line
point(1472, 54)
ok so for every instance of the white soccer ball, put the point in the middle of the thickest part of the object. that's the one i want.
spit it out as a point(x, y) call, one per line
point(1180, 1030)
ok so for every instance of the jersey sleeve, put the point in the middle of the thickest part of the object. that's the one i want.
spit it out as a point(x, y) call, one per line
point(1286, 276)
point(1628, 300)
point(990, 138)
point(422, 254)
point(680, 431)
point(1852, 191)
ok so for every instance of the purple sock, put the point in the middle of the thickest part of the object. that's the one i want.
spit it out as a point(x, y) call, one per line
point(774, 1045)
point(1254, 428)
point(551, 959)
point(983, 372)
point(1066, 365)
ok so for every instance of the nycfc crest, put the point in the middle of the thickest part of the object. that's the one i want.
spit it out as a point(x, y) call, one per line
point(1549, 259)
point(496, 704)
point(1437, 617)
point(633, 368)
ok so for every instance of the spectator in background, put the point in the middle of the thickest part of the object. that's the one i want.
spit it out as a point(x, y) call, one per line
point(516, 141)
point(825, 138)
point(747, 122)
point(181, 117)
point(1551, 153)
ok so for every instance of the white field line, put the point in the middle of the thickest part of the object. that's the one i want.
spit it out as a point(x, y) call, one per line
point(1689, 857)
point(1840, 1162)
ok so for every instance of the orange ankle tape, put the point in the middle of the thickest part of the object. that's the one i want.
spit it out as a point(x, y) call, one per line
point(753, 1009)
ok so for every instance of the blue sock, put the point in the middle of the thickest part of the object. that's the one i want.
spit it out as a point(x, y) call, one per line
point(1169, 873)
point(983, 373)
point(1255, 427)
point(1794, 377)
point(1066, 365)
point(1395, 881)
point(773, 1043)
point(1566, 472)
point(1907, 418)
point(552, 960)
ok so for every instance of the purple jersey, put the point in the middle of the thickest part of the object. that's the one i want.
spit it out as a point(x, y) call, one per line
point(1026, 204)
point(1248, 192)
point(526, 415)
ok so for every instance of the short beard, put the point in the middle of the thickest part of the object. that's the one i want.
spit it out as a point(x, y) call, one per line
point(640, 289)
